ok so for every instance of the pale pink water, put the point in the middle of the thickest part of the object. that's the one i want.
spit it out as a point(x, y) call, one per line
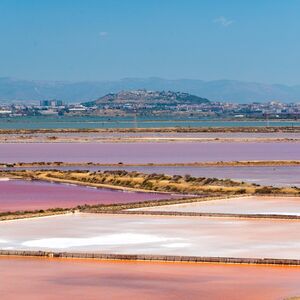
point(30, 195)
point(48, 279)
point(148, 152)
point(238, 205)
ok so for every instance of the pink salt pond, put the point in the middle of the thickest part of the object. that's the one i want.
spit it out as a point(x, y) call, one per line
point(31, 195)
point(48, 279)
point(148, 153)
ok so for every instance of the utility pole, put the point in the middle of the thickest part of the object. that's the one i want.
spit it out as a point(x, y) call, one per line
point(135, 125)
point(267, 118)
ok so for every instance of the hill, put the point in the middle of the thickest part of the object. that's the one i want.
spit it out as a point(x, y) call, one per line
point(147, 97)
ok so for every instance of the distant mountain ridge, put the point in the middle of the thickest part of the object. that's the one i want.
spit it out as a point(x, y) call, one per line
point(217, 90)
point(148, 97)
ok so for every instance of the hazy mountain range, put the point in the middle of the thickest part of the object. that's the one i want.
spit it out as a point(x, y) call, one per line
point(217, 90)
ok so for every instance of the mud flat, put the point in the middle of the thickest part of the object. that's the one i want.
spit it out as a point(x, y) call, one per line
point(163, 130)
point(140, 136)
point(266, 205)
point(150, 235)
point(148, 153)
point(65, 279)
point(16, 195)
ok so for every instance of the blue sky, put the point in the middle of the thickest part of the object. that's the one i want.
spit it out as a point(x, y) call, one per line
point(257, 40)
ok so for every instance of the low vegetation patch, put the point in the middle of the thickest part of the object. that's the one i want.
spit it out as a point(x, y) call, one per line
point(184, 129)
point(250, 163)
point(121, 179)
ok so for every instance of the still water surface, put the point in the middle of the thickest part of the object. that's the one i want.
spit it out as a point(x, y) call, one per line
point(127, 122)
point(148, 153)
point(35, 279)
point(31, 195)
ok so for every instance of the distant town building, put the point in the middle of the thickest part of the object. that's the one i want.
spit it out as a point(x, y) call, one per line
point(5, 112)
point(51, 103)
point(150, 103)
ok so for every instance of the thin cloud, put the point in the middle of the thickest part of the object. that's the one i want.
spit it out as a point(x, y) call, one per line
point(223, 21)
point(103, 33)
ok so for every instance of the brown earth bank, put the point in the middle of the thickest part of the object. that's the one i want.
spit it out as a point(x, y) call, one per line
point(129, 209)
point(251, 163)
point(158, 130)
point(149, 257)
point(99, 208)
point(121, 179)
point(53, 278)
point(7, 216)
point(199, 214)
